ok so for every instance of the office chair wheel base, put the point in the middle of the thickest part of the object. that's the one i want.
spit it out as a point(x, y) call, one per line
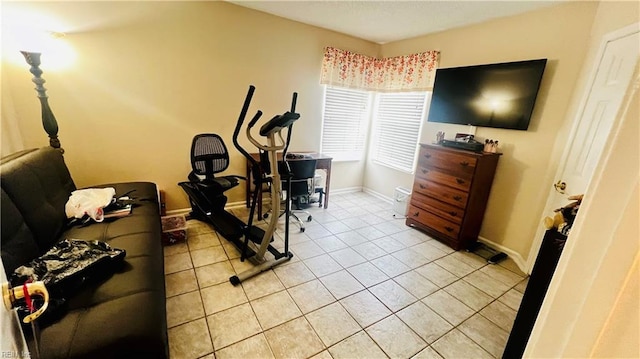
point(265, 216)
point(302, 229)
point(309, 219)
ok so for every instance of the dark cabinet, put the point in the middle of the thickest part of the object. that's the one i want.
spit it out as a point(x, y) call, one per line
point(546, 262)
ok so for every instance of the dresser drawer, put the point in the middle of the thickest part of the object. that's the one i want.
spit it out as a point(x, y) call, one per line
point(441, 192)
point(434, 175)
point(454, 163)
point(444, 210)
point(431, 220)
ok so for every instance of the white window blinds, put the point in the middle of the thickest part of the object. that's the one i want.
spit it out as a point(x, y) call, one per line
point(398, 119)
point(344, 123)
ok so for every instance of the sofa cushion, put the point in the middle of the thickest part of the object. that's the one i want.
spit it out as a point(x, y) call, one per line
point(133, 326)
point(39, 184)
point(18, 245)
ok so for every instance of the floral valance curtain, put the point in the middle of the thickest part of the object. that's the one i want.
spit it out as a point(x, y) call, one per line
point(415, 72)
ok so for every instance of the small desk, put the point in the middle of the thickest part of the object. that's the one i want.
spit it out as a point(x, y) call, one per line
point(323, 163)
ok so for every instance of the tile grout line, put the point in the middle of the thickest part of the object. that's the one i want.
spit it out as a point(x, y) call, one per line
point(204, 311)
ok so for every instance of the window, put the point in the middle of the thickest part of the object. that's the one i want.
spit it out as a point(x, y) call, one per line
point(398, 119)
point(344, 123)
point(397, 123)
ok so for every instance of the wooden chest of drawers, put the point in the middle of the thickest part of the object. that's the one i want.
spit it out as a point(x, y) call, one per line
point(450, 193)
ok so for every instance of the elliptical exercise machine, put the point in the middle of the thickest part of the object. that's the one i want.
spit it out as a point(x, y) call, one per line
point(207, 198)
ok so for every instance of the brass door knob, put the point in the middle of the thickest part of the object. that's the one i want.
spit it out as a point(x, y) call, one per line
point(560, 186)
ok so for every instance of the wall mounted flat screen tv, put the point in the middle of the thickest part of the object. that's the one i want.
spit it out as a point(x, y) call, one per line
point(496, 95)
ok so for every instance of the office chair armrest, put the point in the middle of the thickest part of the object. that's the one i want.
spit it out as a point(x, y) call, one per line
point(193, 177)
point(238, 177)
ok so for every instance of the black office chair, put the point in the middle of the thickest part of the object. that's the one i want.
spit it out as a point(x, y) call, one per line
point(209, 156)
point(302, 176)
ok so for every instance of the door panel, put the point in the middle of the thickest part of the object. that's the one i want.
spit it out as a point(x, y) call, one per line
point(618, 60)
point(611, 82)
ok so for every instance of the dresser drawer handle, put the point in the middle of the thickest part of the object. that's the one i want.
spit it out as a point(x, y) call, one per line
point(427, 155)
point(425, 171)
point(464, 163)
point(422, 186)
point(453, 213)
point(448, 229)
point(460, 181)
point(416, 214)
point(457, 198)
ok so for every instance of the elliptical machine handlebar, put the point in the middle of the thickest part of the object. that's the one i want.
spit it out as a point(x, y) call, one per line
point(275, 125)
point(243, 114)
point(255, 118)
point(293, 110)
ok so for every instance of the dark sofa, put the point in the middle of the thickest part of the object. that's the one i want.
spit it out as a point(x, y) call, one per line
point(122, 316)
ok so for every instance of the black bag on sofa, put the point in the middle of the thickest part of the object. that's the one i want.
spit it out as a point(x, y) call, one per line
point(69, 264)
point(64, 269)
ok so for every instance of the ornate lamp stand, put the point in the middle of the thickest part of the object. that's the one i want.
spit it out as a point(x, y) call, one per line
point(48, 119)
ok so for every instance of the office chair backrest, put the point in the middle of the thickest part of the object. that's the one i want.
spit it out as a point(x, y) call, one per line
point(208, 155)
point(303, 169)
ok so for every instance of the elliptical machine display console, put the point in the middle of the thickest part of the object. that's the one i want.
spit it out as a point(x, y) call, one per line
point(206, 195)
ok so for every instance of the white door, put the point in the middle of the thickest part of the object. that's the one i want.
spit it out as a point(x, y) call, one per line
point(591, 128)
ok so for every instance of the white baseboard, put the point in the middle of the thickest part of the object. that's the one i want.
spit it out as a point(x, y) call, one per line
point(377, 195)
point(179, 211)
point(517, 258)
point(346, 190)
point(241, 204)
point(230, 205)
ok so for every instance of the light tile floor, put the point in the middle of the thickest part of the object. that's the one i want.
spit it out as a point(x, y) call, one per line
point(361, 284)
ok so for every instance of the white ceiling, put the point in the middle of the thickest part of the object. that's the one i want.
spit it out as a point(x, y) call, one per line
point(392, 20)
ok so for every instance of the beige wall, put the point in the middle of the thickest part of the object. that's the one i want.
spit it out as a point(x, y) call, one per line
point(151, 75)
point(620, 337)
point(558, 33)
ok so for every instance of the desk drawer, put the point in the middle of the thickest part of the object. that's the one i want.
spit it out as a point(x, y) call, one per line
point(444, 210)
point(454, 163)
point(431, 174)
point(429, 219)
point(441, 192)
